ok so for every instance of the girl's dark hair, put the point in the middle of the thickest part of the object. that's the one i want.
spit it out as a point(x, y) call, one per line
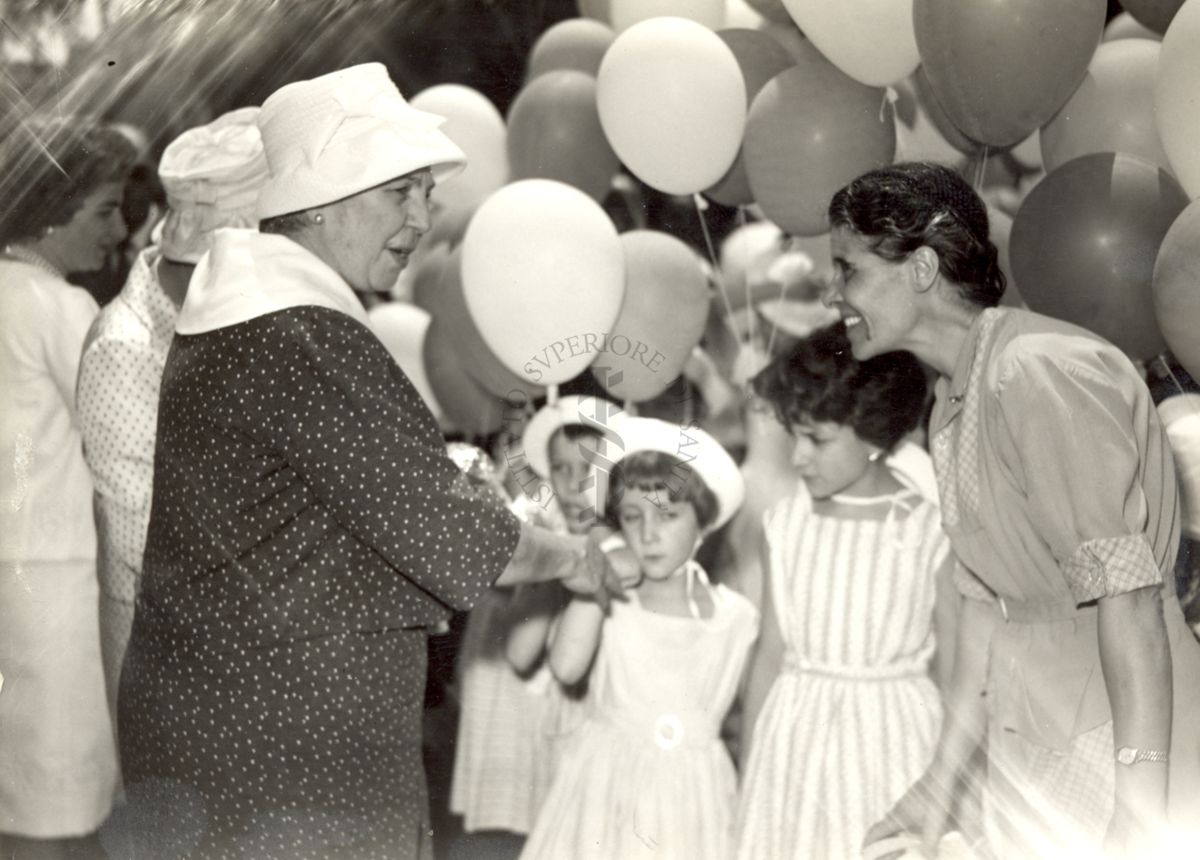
point(898, 209)
point(49, 166)
point(819, 379)
point(663, 477)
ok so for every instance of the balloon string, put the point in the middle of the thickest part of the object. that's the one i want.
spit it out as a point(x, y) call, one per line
point(1160, 358)
point(751, 317)
point(981, 168)
point(712, 256)
point(551, 394)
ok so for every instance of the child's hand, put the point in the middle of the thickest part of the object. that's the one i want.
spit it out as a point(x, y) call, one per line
point(620, 556)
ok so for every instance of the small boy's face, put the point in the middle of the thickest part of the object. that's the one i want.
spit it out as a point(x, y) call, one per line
point(662, 534)
point(574, 478)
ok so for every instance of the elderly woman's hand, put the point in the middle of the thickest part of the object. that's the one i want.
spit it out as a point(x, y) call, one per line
point(595, 574)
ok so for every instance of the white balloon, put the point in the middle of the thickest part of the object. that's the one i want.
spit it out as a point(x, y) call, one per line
point(474, 123)
point(542, 270)
point(401, 328)
point(1177, 96)
point(623, 14)
point(872, 41)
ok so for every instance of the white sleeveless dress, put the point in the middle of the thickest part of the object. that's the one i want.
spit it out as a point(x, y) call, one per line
point(646, 775)
point(851, 721)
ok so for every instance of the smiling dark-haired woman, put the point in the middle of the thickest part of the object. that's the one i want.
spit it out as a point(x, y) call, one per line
point(1059, 497)
point(62, 184)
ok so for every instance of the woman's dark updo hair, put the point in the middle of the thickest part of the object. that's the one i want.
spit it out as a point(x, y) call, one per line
point(819, 380)
point(898, 209)
point(49, 166)
point(660, 476)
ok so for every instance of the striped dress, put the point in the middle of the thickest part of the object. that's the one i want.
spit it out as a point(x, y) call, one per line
point(851, 721)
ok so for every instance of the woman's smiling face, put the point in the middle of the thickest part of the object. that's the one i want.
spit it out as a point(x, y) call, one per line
point(872, 295)
point(369, 237)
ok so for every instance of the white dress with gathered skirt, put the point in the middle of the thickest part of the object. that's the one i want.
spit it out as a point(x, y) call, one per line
point(646, 775)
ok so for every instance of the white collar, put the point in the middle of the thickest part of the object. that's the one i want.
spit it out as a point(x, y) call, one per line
point(248, 274)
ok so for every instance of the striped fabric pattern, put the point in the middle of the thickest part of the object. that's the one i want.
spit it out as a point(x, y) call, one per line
point(852, 719)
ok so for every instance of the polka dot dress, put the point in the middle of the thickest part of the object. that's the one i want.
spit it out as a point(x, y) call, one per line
point(306, 528)
point(117, 400)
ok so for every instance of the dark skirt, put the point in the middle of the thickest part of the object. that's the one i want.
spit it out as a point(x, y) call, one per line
point(303, 749)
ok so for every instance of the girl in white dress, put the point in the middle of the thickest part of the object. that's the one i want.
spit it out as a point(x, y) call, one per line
point(841, 711)
point(646, 774)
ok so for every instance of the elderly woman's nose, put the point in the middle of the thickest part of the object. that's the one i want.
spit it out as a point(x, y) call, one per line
point(420, 213)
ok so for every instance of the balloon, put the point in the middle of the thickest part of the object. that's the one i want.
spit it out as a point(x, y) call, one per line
point(1084, 242)
point(872, 41)
point(673, 104)
point(1001, 69)
point(542, 268)
point(576, 43)
point(923, 131)
point(772, 10)
point(1177, 96)
point(554, 132)
point(472, 122)
point(760, 58)
point(467, 405)
point(624, 14)
point(661, 320)
point(1113, 109)
point(1155, 14)
point(597, 10)
point(448, 305)
point(739, 13)
point(1125, 26)
point(401, 328)
point(1177, 288)
point(789, 35)
point(811, 130)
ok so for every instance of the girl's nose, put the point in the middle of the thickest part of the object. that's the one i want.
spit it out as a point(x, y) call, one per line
point(117, 227)
point(649, 531)
point(802, 452)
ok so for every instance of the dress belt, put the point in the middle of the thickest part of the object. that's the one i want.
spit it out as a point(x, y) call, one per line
point(666, 730)
point(911, 668)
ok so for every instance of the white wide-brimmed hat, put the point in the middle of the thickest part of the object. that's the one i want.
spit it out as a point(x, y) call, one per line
point(696, 449)
point(212, 175)
point(341, 133)
point(576, 410)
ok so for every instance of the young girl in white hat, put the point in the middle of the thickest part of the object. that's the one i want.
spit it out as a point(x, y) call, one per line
point(646, 774)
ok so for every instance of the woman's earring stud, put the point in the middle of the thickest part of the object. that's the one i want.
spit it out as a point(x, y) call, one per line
point(318, 218)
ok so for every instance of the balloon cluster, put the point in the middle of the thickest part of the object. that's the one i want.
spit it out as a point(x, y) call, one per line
point(725, 99)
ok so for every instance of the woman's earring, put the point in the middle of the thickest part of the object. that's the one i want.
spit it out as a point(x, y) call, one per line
point(50, 230)
point(874, 456)
point(318, 218)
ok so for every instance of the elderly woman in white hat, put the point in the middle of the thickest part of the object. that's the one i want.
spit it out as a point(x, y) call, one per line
point(308, 528)
point(212, 175)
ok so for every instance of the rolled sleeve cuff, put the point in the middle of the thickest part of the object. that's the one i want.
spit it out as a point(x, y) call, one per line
point(1106, 567)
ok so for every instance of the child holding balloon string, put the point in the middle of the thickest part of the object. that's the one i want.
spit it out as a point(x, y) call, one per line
point(841, 713)
point(646, 774)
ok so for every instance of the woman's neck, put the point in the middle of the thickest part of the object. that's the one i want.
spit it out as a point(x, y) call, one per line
point(877, 480)
point(944, 329)
point(46, 248)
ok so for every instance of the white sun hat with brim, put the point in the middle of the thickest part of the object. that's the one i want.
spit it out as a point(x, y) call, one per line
point(696, 450)
point(336, 135)
point(572, 410)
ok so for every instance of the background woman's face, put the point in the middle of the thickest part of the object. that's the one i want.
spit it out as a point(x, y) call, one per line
point(369, 237)
point(96, 228)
